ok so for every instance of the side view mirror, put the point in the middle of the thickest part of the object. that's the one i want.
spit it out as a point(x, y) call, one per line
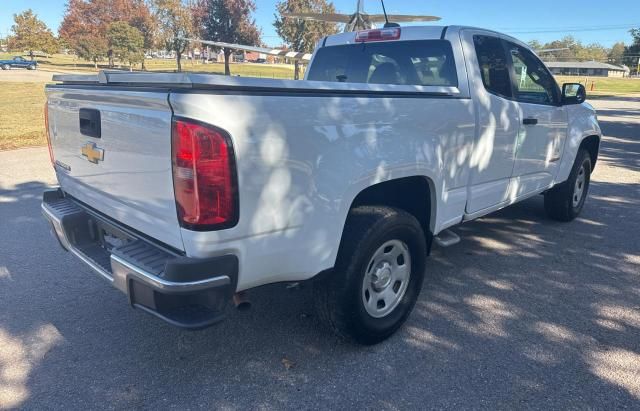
point(573, 93)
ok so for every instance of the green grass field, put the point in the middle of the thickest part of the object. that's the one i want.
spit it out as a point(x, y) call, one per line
point(21, 115)
point(71, 63)
point(604, 85)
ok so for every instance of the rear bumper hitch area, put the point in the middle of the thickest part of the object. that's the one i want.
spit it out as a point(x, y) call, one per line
point(187, 292)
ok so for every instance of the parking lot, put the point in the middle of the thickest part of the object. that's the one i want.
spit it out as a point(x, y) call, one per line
point(523, 313)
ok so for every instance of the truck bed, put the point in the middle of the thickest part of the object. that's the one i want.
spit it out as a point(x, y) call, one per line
point(292, 140)
point(219, 82)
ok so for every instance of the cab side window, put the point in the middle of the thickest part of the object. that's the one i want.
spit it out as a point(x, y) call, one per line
point(532, 82)
point(494, 67)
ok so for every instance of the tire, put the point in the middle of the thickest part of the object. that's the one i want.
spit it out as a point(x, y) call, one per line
point(365, 255)
point(31, 68)
point(6, 67)
point(565, 201)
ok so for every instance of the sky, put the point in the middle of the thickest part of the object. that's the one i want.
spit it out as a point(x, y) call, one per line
point(544, 20)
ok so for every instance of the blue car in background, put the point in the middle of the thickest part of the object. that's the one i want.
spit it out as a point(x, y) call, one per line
point(18, 62)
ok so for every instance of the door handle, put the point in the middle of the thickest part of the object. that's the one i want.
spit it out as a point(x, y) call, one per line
point(90, 122)
point(530, 121)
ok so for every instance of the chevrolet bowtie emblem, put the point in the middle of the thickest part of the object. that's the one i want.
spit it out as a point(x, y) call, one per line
point(92, 152)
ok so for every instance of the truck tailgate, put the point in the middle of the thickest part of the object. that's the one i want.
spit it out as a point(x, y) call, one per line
point(112, 150)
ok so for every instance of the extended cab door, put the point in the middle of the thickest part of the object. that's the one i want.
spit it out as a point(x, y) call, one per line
point(543, 125)
point(491, 158)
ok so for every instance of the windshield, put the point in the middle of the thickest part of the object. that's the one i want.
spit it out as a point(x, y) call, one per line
point(418, 62)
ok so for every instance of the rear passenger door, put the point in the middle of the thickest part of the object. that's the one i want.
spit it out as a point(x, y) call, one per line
point(544, 122)
point(492, 157)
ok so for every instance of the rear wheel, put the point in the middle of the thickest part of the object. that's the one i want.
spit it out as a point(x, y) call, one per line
point(565, 201)
point(377, 278)
point(6, 67)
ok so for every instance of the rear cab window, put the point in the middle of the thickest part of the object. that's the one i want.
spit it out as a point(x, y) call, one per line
point(414, 62)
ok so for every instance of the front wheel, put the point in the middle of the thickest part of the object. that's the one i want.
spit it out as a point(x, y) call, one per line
point(31, 68)
point(377, 278)
point(565, 201)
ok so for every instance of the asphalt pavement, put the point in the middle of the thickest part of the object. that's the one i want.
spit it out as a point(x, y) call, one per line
point(523, 313)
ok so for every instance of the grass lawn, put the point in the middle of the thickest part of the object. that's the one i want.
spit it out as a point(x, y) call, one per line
point(21, 115)
point(604, 85)
point(71, 63)
point(284, 71)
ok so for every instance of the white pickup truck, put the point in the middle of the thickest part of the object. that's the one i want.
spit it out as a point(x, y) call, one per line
point(186, 190)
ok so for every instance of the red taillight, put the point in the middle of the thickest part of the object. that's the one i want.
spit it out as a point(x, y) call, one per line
point(203, 176)
point(47, 133)
point(378, 34)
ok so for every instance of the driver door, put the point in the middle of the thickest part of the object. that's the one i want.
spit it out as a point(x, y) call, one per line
point(543, 124)
point(20, 62)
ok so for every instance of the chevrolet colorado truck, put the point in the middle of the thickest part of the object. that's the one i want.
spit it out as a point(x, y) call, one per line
point(185, 190)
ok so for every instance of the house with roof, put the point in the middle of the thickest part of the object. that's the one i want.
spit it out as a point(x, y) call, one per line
point(587, 68)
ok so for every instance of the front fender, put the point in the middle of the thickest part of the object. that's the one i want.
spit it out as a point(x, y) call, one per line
point(582, 123)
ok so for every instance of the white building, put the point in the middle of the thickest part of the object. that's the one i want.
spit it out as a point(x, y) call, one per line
point(587, 68)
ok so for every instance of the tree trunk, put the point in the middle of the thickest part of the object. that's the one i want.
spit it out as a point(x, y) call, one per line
point(144, 67)
point(296, 70)
point(227, 54)
point(178, 59)
point(95, 63)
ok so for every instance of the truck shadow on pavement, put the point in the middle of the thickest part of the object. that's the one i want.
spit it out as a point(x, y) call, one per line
point(525, 312)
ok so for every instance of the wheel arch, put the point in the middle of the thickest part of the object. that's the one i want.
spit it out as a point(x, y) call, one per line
point(592, 145)
point(414, 194)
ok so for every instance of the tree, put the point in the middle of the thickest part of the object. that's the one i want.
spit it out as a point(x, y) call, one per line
point(30, 33)
point(571, 49)
point(126, 42)
point(147, 24)
point(302, 35)
point(536, 45)
point(632, 52)
point(92, 48)
point(591, 52)
point(84, 18)
point(231, 21)
point(174, 25)
point(616, 53)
